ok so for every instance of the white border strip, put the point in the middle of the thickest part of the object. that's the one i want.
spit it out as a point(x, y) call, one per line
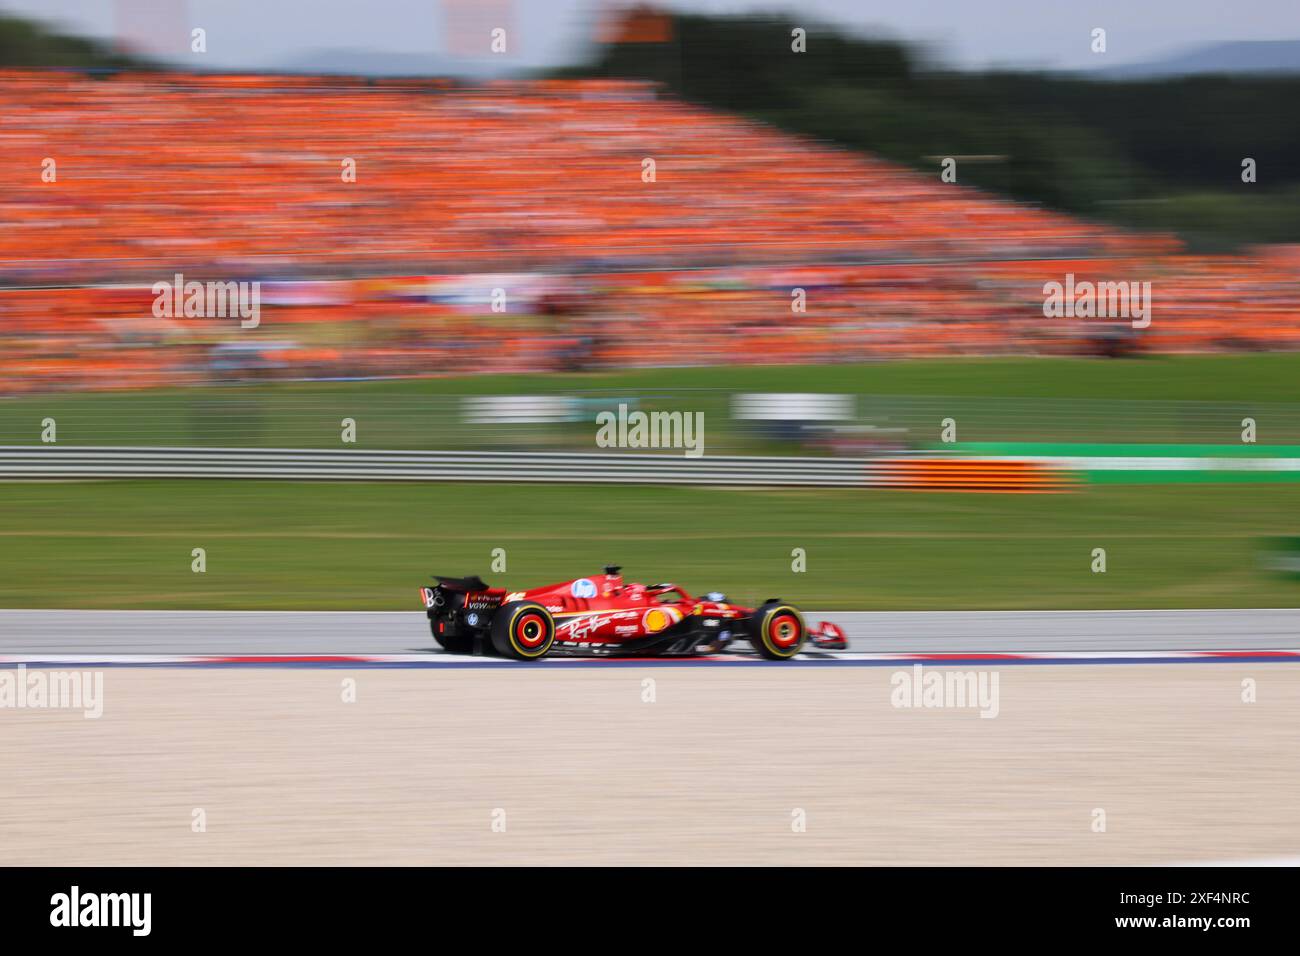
point(938, 659)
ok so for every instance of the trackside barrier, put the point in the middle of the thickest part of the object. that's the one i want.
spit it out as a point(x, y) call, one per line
point(72, 462)
point(158, 462)
point(792, 407)
point(521, 409)
point(969, 474)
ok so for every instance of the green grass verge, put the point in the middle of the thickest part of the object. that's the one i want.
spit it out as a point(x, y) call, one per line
point(290, 545)
point(426, 413)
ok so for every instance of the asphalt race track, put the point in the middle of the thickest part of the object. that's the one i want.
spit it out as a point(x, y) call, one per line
point(406, 632)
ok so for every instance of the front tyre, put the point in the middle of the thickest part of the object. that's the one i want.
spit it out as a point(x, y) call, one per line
point(777, 631)
point(523, 631)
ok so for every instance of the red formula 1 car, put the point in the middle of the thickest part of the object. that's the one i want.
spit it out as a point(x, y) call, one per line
point(602, 616)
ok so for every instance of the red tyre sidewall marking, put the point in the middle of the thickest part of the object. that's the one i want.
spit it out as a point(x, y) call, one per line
point(525, 642)
point(773, 630)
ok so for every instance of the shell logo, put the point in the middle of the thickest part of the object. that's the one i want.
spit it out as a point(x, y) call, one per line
point(658, 618)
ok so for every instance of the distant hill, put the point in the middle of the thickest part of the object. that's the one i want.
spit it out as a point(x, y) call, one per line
point(1246, 56)
point(1154, 151)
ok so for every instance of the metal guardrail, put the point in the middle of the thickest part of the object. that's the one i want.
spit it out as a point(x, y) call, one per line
point(53, 461)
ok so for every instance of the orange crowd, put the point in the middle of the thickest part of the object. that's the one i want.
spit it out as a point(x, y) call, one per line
point(108, 337)
point(622, 229)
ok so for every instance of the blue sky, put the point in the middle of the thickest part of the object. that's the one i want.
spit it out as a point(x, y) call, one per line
point(972, 33)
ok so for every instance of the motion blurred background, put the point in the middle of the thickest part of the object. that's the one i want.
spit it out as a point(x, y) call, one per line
point(459, 245)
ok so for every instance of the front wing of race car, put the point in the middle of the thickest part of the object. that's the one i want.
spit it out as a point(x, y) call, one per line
point(828, 637)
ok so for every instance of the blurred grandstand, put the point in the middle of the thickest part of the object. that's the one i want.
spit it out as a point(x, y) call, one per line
point(533, 188)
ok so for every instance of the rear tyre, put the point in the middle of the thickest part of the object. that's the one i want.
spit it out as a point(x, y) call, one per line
point(523, 631)
point(777, 631)
point(453, 644)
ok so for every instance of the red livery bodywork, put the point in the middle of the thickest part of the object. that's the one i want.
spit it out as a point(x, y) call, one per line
point(602, 615)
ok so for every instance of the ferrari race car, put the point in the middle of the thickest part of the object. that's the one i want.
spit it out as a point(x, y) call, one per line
point(601, 616)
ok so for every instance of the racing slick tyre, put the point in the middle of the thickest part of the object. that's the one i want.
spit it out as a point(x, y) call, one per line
point(523, 631)
point(777, 631)
point(460, 644)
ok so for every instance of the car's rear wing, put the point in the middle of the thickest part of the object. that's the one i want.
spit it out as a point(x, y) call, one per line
point(471, 583)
